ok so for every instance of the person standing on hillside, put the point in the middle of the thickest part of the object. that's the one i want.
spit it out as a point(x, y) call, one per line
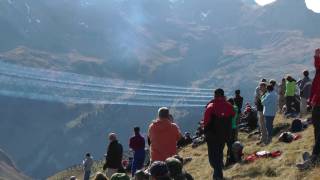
point(290, 94)
point(238, 100)
point(261, 120)
point(217, 127)
point(87, 165)
point(281, 92)
point(137, 144)
point(269, 102)
point(314, 101)
point(114, 156)
point(305, 91)
point(234, 132)
point(275, 85)
point(163, 136)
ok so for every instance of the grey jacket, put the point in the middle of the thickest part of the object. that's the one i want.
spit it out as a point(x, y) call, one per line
point(305, 87)
point(87, 164)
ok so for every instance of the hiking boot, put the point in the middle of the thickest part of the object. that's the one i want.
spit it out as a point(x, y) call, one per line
point(309, 163)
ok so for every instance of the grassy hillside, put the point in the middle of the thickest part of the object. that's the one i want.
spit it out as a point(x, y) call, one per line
point(282, 167)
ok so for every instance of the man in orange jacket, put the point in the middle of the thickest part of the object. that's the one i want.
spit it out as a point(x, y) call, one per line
point(163, 136)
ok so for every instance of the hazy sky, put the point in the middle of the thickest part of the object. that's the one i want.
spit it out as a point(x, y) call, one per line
point(264, 2)
point(314, 5)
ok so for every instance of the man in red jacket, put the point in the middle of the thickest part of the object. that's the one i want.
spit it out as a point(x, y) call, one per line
point(217, 127)
point(315, 103)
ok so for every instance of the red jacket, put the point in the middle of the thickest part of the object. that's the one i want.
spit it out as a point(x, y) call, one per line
point(137, 142)
point(220, 107)
point(315, 90)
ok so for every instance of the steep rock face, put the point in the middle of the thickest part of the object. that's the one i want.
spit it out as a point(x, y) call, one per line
point(8, 169)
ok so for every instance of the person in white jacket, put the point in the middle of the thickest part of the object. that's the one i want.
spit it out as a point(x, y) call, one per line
point(87, 165)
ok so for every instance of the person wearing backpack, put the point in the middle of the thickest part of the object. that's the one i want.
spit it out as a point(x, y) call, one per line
point(314, 101)
point(290, 94)
point(217, 127)
point(269, 102)
point(305, 91)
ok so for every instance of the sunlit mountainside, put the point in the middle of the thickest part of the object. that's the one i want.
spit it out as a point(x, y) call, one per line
point(73, 71)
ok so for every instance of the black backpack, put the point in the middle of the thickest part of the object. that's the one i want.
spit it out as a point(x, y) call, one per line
point(296, 125)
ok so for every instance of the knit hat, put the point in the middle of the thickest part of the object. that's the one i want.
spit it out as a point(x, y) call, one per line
point(174, 166)
point(158, 169)
point(120, 176)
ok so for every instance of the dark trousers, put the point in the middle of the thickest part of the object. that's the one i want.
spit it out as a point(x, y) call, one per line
point(215, 154)
point(230, 156)
point(316, 124)
point(289, 104)
point(138, 161)
point(86, 175)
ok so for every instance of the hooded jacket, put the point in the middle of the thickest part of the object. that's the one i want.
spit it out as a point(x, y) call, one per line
point(315, 90)
point(218, 120)
point(163, 136)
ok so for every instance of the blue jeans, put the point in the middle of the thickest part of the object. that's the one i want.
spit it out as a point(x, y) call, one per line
point(138, 161)
point(86, 175)
point(269, 125)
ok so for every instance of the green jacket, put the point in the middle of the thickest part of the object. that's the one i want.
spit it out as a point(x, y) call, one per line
point(235, 117)
point(290, 88)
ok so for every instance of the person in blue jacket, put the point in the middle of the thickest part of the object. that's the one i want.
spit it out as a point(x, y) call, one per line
point(269, 102)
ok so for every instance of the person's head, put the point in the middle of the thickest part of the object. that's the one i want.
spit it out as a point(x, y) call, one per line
point(306, 73)
point(120, 176)
point(100, 176)
point(174, 167)
point(163, 113)
point(263, 87)
point(231, 101)
point(88, 155)
point(158, 169)
point(141, 175)
point(112, 137)
point(273, 82)
point(218, 93)
point(269, 87)
point(136, 130)
point(283, 80)
point(237, 92)
point(179, 158)
point(289, 78)
point(263, 80)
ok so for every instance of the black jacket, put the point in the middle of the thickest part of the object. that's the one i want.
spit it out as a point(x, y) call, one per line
point(114, 156)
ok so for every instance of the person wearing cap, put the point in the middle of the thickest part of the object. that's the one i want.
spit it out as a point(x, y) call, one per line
point(314, 101)
point(261, 120)
point(137, 144)
point(305, 91)
point(114, 156)
point(163, 136)
point(217, 127)
point(159, 171)
point(87, 165)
